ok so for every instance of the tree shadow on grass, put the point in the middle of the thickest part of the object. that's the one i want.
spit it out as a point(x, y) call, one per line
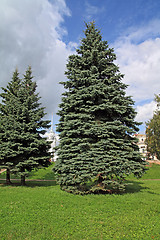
point(154, 193)
point(134, 186)
point(45, 183)
point(29, 183)
point(131, 187)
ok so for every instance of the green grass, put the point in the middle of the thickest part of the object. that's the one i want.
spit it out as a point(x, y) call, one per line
point(41, 211)
point(43, 173)
point(153, 172)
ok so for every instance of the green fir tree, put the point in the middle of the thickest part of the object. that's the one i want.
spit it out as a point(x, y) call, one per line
point(24, 148)
point(96, 150)
point(8, 147)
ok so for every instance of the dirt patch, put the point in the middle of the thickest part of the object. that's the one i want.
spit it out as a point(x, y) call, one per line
point(152, 162)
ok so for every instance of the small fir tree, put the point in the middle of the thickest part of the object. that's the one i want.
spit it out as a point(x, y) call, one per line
point(96, 149)
point(7, 108)
point(24, 128)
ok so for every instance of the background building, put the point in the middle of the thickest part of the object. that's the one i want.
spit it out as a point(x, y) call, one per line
point(53, 138)
point(142, 145)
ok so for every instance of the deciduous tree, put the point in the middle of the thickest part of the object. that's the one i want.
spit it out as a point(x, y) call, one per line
point(153, 132)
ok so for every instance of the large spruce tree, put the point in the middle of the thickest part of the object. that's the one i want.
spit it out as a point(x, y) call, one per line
point(22, 127)
point(96, 149)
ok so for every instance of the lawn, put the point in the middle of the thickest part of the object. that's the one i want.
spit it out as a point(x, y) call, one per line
point(43, 173)
point(153, 172)
point(42, 211)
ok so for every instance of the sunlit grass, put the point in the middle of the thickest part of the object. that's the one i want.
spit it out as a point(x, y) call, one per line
point(42, 211)
point(42, 173)
point(153, 172)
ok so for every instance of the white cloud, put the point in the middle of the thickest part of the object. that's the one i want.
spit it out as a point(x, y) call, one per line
point(140, 34)
point(145, 112)
point(141, 66)
point(138, 56)
point(31, 34)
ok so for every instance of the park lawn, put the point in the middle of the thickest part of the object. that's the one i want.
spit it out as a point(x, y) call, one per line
point(153, 172)
point(42, 211)
point(42, 173)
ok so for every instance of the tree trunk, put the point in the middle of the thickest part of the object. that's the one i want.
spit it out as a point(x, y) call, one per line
point(23, 183)
point(8, 180)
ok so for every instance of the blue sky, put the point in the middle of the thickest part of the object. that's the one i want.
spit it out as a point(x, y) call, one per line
point(113, 17)
point(43, 33)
